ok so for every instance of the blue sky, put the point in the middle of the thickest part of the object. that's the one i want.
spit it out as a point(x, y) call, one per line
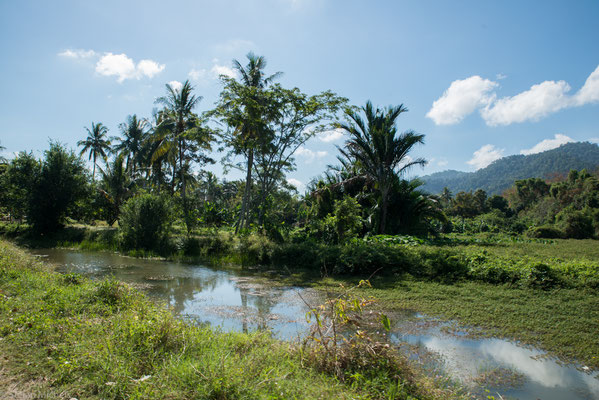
point(481, 79)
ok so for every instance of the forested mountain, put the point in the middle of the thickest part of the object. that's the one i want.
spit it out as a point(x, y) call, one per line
point(502, 173)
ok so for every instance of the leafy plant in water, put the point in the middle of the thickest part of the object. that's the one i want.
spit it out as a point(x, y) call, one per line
point(342, 337)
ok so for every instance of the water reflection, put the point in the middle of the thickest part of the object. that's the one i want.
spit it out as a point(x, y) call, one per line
point(529, 371)
point(233, 300)
point(204, 295)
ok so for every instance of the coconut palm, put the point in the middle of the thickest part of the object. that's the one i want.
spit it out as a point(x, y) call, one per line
point(134, 133)
point(176, 120)
point(96, 143)
point(248, 131)
point(378, 152)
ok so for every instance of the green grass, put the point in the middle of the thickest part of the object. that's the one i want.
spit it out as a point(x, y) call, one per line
point(85, 339)
point(564, 322)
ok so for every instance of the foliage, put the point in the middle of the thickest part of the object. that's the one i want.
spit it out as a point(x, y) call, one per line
point(146, 222)
point(106, 340)
point(61, 182)
point(377, 152)
point(501, 174)
point(17, 184)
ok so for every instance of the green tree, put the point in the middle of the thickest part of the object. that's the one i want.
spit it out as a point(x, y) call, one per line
point(146, 222)
point(115, 188)
point(134, 133)
point(181, 134)
point(62, 181)
point(96, 143)
point(294, 118)
point(379, 153)
point(242, 107)
point(17, 184)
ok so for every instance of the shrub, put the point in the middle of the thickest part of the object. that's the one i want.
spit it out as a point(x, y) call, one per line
point(146, 222)
point(545, 232)
point(575, 224)
point(539, 276)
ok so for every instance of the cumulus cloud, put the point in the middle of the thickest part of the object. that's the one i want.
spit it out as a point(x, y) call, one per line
point(537, 102)
point(297, 183)
point(123, 67)
point(548, 144)
point(461, 99)
point(331, 135)
point(485, 156)
point(589, 93)
point(442, 162)
point(465, 96)
point(176, 85)
point(197, 74)
point(219, 70)
point(77, 54)
point(310, 155)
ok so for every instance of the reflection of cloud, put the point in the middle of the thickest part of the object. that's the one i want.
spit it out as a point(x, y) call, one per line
point(545, 372)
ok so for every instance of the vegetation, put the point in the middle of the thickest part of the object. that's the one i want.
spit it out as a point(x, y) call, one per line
point(530, 252)
point(501, 174)
point(105, 340)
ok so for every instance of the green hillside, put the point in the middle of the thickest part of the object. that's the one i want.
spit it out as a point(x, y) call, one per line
point(502, 173)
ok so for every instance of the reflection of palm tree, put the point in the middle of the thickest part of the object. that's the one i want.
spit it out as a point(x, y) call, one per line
point(96, 143)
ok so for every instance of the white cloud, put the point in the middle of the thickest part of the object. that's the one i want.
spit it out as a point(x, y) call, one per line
point(465, 96)
point(310, 155)
point(331, 135)
point(197, 74)
point(594, 140)
point(123, 67)
point(462, 98)
point(537, 102)
point(149, 68)
point(297, 183)
point(589, 93)
point(77, 54)
point(219, 70)
point(176, 85)
point(485, 156)
point(442, 163)
point(548, 144)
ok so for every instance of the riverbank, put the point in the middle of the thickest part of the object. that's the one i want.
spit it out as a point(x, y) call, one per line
point(66, 335)
point(539, 292)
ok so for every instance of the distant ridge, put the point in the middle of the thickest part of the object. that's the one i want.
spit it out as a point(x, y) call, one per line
point(502, 173)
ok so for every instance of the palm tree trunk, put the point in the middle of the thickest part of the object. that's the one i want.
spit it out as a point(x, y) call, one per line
point(183, 191)
point(384, 206)
point(94, 170)
point(247, 193)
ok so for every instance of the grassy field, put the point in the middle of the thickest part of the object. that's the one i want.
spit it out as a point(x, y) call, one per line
point(65, 336)
point(561, 320)
point(542, 292)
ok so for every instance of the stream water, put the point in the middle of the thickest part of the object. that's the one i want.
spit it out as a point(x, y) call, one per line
point(233, 299)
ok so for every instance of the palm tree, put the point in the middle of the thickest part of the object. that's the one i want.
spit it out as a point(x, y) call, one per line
point(249, 131)
point(175, 121)
point(96, 142)
point(377, 151)
point(134, 133)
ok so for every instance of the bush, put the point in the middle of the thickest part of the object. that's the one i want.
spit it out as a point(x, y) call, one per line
point(575, 224)
point(146, 222)
point(539, 276)
point(545, 232)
